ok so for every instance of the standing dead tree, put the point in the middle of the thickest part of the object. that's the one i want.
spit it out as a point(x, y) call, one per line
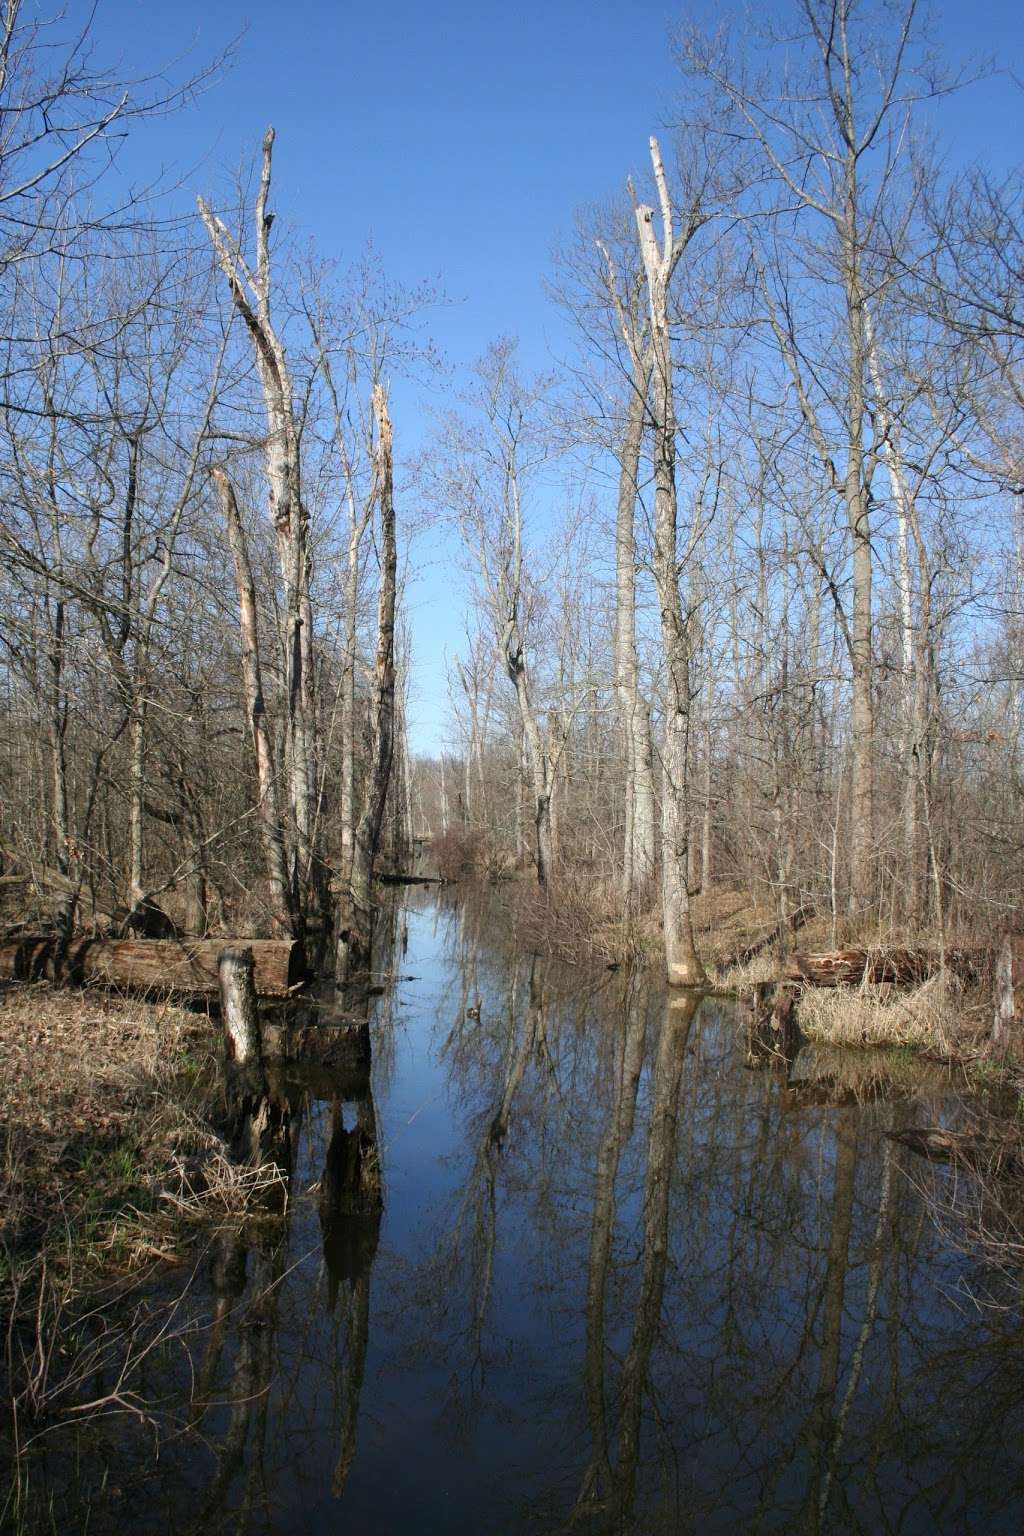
point(250, 295)
point(660, 261)
point(271, 827)
point(626, 301)
point(355, 905)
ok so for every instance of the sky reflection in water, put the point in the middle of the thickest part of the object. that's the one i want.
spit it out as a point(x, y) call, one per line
point(622, 1282)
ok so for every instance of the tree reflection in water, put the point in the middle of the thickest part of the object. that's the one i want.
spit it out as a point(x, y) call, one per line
point(628, 1276)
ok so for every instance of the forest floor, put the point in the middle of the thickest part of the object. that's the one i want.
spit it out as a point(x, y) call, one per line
point(102, 1113)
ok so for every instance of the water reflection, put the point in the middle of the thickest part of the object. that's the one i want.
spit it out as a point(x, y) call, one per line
point(621, 1282)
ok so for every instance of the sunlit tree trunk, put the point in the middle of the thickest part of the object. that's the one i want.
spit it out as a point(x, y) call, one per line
point(250, 292)
point(271, 832)
point(639, 852)
point(355, 906)
point(683, 965)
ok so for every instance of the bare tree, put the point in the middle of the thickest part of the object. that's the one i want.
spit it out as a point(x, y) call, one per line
point(831, 138)
point(660, 261)
point(271, 826)
point(355, 908)
point(250, 289)
point(481, 476)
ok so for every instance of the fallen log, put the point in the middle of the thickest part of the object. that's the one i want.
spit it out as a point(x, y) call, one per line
point(151, 965)
point(903, 967)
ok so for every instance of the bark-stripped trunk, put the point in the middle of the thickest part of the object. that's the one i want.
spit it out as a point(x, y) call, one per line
point(347, 788)
point(683, 965)
point(638, 851)
point(913, 643)
point(250, 292)
point(638, 858)
point(355, 909)
point(271, 831)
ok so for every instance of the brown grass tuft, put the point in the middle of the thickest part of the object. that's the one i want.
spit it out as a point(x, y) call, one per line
point(927, 1018)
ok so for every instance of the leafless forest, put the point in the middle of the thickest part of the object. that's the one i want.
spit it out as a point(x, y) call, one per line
point(746, 572)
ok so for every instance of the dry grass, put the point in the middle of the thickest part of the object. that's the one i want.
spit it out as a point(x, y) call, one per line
point(729, 923)
point(928, 1018)
point(109, 1165)
point(108, 1158)
point(742, 978)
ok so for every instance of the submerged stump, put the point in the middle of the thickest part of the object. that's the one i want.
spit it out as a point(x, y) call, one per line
point(773, 1034)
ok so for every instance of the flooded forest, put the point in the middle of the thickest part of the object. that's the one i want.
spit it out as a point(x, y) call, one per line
point(604, 1112)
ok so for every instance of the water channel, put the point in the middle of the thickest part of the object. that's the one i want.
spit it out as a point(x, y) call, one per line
point(623, 1280)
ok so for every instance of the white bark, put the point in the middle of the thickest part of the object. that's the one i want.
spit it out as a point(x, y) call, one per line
point(250, 293)
point(355, 910)
point(271, 830)
point(683, 965)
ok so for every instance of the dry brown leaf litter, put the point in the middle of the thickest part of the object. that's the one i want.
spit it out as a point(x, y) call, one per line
point(97, 1112)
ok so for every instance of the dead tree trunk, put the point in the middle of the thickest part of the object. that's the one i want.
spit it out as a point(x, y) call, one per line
point(235, 973)
point(250, 293)
point(682, 963)
point(638, 858)
point(1007, 1029)
point(271, 831)
point(638, 839)
point(355, 907)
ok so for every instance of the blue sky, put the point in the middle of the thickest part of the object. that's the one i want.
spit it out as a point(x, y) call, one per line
point(460, 138)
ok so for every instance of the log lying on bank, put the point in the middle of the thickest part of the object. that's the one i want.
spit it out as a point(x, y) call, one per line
point(152, 965)
point(903, 967)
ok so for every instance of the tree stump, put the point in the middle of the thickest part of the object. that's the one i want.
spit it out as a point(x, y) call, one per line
point(1007, 1032)
point(773, 1035)
point(238, 1007)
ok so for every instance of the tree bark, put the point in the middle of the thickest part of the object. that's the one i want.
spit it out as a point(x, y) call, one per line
point(638, 852)
point(235, 973)
point(355, 908)
point(271, 830)
point(250, 292)
point(683, 965)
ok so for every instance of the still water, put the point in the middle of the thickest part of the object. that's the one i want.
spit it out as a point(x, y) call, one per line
point(623, 1280)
